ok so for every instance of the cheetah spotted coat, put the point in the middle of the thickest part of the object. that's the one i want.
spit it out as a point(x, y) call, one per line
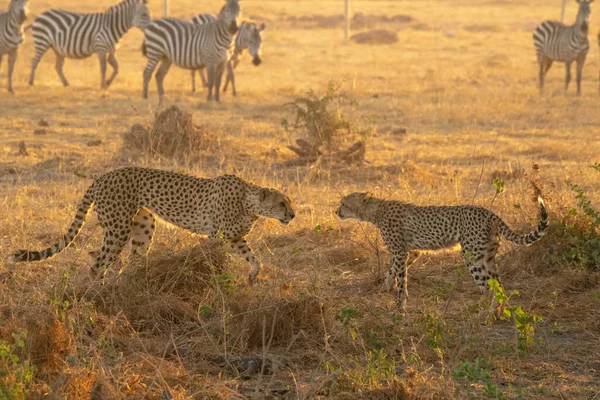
point(127, 200)
point(407, 227)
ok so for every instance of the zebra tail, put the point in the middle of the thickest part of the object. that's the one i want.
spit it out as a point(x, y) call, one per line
point(144, 49)
point(28, 27)
point(533, 236)
point(82, 211)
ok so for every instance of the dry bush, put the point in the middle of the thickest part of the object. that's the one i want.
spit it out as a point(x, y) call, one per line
point(377, 36)
point(172, 135)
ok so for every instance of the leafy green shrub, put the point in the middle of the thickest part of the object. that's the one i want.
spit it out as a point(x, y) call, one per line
point(580, 230)
point(15, 374)
point(524, 322)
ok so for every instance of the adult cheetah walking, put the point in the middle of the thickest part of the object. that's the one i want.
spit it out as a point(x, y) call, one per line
point(127, 199)
point(407, 227)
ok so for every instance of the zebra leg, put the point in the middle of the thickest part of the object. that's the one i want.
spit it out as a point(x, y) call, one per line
point(60, 62)
point(112, 60)
point(567, 75)
point(193, 76)
point(40, 50)
point(102, 59)
point(211, 81)
point(148, 71)
point(12, 58)
point(203, 77)
point(165, 64)
point(545, 65)
point(218, 76)
point(230, 78)
point(580, 62)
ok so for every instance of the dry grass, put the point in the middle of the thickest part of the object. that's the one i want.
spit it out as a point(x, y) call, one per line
point(455, 106)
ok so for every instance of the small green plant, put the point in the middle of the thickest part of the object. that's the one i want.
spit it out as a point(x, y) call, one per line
point(581, 230)
point(524, 322)
point(225, 281)
point(436, 334)
point(477, 372)
point(15, 374)
point(373, 370)
point(345, 314)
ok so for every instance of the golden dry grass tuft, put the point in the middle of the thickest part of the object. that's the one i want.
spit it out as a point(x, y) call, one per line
point(454, 107)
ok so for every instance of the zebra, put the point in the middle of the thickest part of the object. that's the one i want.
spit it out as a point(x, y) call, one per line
point(11, 34)
point(555, 41)
point(248, 37)
point(191, 46)
point(75, 35)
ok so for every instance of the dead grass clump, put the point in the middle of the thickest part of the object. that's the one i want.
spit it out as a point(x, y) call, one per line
point(173, 135)
point(49, 343)
point(275, 320)
point(376, 36)
point(361, 20)
point(170, 285)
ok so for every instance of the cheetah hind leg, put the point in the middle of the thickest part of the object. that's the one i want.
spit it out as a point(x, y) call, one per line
point(489, 263)
point(112, 245)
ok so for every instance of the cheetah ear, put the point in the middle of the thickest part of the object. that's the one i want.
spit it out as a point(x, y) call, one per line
point(261, 27)
point(264, 193)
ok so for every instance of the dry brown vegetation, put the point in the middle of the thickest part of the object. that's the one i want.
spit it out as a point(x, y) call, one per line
point(454, 105)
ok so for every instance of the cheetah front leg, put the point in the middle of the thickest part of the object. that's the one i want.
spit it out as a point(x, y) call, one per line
point(142, 231)
point(240, 247)
point(397, 273)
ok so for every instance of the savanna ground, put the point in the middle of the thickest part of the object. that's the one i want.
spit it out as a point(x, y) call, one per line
point(454, 107)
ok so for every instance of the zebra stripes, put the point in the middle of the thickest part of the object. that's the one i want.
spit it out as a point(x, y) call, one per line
point(11, 34)
point(555, 41)
point(190, 46)
point(75, 35)
point(248, 37)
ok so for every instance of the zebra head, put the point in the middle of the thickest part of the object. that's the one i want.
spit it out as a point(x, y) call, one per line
point(254, 40)
point(141, 15)
point(585, 10)
point(231, 13)
point(20, 9)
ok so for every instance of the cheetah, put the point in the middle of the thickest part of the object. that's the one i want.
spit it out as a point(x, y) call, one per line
point(126, 201)
point(406, 227)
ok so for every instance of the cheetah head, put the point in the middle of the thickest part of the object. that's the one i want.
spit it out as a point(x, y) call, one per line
point(352, 205)
point(274, 204)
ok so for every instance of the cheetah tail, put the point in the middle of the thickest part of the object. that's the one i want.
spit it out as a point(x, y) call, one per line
point(82, 211)
point(533, 236)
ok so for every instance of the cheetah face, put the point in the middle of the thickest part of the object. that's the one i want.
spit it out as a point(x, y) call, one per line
point(276, 205)
point(351, 205)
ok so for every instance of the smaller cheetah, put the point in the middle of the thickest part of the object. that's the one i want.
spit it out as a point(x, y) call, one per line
point(406, 227)
point(126, 201)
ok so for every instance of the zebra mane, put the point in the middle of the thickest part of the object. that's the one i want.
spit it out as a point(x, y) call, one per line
point(124, 3)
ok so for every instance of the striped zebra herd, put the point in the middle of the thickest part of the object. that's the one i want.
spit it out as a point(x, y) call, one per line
point(212, 42)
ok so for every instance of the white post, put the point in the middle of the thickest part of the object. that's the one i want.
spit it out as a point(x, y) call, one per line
point(347, 19)
point(562, 11)
point(166, 8)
